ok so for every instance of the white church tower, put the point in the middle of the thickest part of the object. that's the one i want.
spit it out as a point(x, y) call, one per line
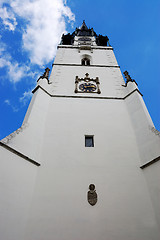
point(84, 165)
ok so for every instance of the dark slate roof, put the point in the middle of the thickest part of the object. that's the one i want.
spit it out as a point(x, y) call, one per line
point(84, 27)
point(84, 31)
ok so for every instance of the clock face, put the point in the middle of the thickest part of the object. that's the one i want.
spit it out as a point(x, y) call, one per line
point(87, 87)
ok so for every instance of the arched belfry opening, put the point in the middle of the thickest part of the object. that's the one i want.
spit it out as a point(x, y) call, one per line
point(85, 61)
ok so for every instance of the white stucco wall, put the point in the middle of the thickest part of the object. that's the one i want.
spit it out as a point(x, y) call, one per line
point(124, 208)
point(50, 201)
point(63, 75)
point(148, 143)
point(72, 55)
point(110, 80)
point(29, 140)
point(16, 191)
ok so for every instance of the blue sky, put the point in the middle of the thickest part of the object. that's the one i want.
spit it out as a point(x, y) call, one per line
point(31, 30)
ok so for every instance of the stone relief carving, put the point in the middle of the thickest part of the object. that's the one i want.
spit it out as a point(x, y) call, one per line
point(128, 79)
point(87, 85)
point(45, 74)
point(92, 195)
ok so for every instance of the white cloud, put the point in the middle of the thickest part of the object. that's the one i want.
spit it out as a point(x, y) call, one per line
point(7, 101)
point(26, 97)
point(45, 23)
point(4, 56)
point(15, 71)
point(22, 101)
point(8, 18)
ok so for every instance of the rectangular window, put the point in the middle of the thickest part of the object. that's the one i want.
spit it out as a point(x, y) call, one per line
point(89, 141)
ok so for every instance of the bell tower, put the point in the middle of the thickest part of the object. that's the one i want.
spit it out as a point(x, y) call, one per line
point(85, 162)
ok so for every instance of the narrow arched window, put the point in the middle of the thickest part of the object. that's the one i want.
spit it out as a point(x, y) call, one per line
point(88, 62)
point(85, 62)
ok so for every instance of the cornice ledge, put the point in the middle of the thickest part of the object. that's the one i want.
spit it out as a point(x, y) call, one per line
point(99, 97)
point(135, 90)
point(37, 87)
point(92, 47)
point(147, 164)
point(65, 96)
point(79, 65)
point(19, 154)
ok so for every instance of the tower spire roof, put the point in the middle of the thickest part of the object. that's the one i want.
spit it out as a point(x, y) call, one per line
point(84, 26)
point(84, 31)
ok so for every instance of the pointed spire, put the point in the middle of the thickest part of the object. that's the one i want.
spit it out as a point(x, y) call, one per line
point(84, 30)
point(84, 26)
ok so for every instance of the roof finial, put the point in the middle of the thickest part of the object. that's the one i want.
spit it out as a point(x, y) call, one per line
point(84, 27)
point(127, 76)
point(128, 79)
point(45, 74)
